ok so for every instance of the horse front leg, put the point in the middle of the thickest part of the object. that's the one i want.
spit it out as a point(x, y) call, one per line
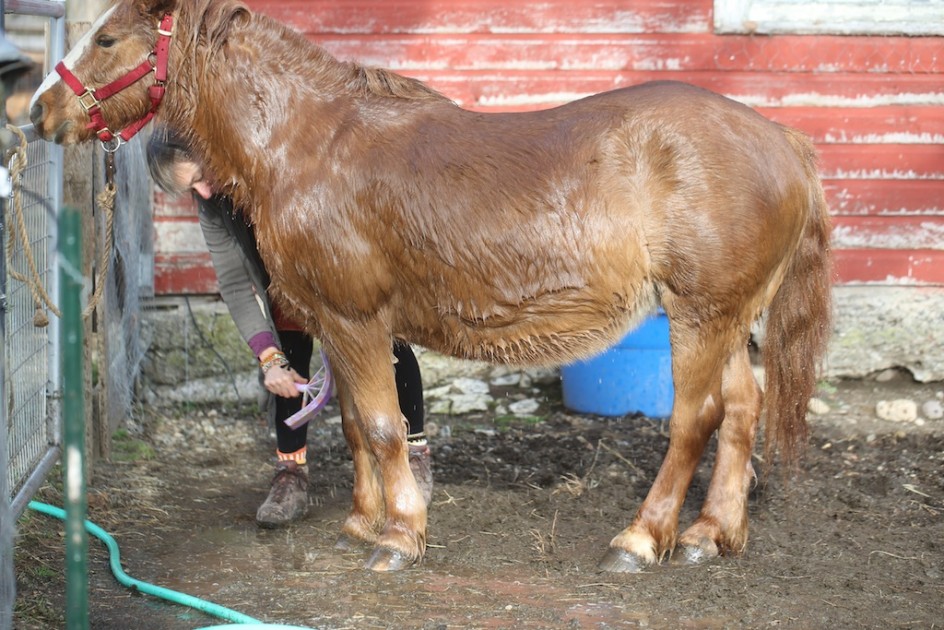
point(721, 527)
point(366, 518)
point(697, 359)
point(365, 364)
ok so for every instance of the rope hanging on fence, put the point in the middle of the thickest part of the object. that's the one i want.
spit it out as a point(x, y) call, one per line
point(105, 200)
point(33, 281)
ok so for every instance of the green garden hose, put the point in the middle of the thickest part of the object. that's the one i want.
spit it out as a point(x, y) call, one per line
point(158, 591)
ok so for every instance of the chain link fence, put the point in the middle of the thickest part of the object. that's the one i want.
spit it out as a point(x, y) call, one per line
point(30, 351)
point(29, 338)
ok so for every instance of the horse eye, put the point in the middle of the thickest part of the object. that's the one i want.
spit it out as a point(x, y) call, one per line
point(105, 41)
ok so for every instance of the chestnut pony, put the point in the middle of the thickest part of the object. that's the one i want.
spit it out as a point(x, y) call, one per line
point(383, 210)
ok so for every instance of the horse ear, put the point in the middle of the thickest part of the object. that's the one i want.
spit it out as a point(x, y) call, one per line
point(222, 17)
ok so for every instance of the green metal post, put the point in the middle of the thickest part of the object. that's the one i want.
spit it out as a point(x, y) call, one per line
point(73, 419)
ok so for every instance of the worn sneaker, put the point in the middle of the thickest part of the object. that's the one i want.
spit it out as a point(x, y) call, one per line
point(421, 466)
point(288, 497)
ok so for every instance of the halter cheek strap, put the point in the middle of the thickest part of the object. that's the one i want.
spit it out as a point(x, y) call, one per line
point(91, 100)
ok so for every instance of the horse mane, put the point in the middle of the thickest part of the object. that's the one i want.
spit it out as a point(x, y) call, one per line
point(209, 23)
point(218, 37)
point(382, 82)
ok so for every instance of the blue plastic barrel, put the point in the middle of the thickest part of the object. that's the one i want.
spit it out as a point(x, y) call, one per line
point(634, 376)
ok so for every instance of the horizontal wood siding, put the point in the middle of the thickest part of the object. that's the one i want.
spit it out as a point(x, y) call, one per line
point(181, 261)
point(874, 106)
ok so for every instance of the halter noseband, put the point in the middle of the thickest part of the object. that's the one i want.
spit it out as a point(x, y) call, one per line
point(91, 100)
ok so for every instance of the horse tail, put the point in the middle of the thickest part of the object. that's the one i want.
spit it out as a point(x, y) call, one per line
point(798, 320)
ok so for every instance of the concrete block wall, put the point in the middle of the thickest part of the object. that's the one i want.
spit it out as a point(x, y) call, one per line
point(196, 355)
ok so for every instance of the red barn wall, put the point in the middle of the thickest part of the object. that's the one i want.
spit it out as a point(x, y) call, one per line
point(874, 105)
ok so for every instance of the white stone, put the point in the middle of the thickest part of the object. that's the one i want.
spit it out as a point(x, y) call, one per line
point(435, 393)
point(470, 385)
point(887, 376)
point(901, 410)
point(439, 370)
point(440, 406)
point(524, 407)
point(818, 407)
point(506, 380)
point(543, 375)
point(932, 410)
point(465, 403)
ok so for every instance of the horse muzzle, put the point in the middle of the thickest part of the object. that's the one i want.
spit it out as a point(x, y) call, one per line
point(47, 129)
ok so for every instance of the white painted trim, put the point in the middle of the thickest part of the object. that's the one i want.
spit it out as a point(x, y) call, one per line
point(837, 17)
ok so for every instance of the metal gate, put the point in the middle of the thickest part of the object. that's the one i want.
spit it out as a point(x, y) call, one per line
point(30, 371)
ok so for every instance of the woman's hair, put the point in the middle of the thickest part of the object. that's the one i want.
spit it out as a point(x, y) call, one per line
point(165, 150)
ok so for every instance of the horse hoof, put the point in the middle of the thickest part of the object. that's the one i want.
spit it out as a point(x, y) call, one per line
point(619, 560)
point(384, 559)
point(695, 554)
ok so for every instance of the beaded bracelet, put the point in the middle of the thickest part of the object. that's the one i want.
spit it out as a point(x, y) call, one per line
point(277, 358)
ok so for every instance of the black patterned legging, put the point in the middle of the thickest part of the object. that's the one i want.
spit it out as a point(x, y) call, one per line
point(297, 347)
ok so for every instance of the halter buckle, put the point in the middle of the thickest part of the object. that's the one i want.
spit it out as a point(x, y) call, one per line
point(88, 101)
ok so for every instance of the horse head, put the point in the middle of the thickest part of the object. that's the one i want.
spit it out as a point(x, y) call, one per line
point(113, 80)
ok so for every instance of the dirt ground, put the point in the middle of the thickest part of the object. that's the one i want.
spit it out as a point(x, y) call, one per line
point(522, 511)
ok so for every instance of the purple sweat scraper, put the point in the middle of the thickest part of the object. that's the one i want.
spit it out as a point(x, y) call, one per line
point(315, 395)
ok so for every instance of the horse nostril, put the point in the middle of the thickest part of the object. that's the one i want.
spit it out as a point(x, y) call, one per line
point(37, 114)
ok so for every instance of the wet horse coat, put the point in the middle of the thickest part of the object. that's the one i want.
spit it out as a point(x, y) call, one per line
point(384, 210)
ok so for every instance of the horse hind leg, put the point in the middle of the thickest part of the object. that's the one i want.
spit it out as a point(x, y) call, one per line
point(721, 527)
point(698, 355)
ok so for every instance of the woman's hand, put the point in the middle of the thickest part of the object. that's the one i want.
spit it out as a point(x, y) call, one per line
point(281, 381)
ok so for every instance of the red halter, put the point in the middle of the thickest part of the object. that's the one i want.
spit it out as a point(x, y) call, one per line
point(90, 99)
